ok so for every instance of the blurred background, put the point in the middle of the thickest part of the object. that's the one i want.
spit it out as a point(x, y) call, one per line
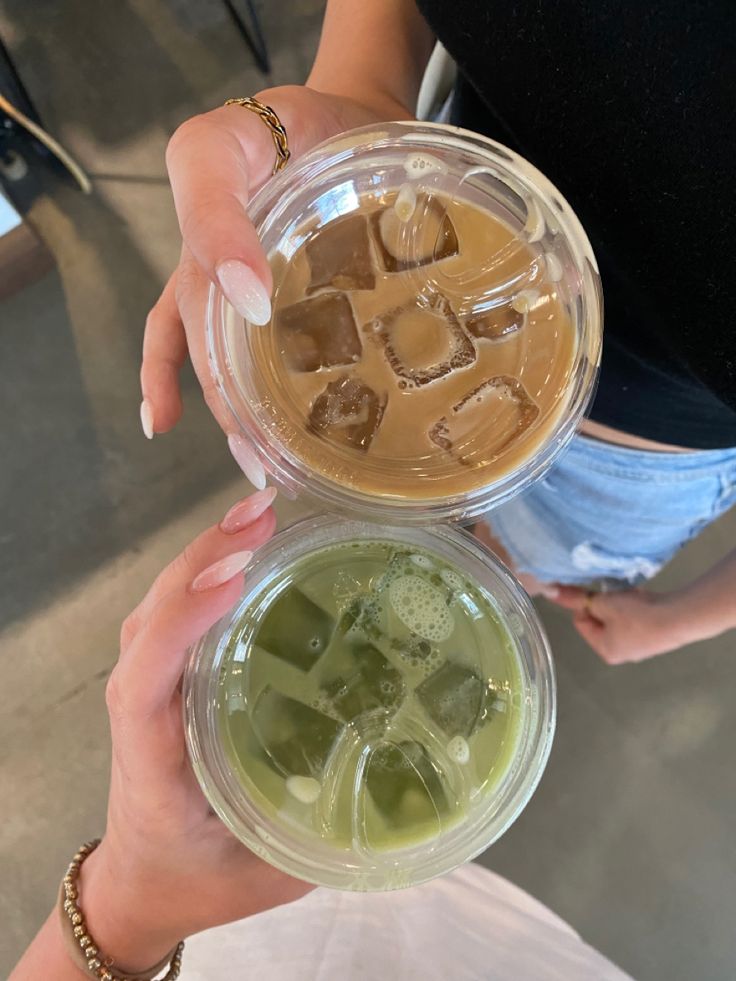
point(630, 836)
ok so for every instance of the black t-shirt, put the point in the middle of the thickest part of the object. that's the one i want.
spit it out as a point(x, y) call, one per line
point(629, 108)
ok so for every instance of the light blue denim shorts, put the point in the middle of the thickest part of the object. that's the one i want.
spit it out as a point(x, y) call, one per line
point(608, 512)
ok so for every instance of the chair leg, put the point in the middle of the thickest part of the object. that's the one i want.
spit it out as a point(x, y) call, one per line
point(20, 122)
point(254, 37)
point(12, 87)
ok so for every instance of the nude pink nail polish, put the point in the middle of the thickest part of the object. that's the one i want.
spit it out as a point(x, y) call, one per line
point(221, 572)
point(246, 512)
point(245, 291)
point(147, 419)
point(246, 459)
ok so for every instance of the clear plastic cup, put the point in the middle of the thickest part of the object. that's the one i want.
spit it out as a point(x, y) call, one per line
point(456, 169)
point(490, 808)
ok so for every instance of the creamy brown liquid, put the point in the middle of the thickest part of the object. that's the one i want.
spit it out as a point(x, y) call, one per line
point(352, 372)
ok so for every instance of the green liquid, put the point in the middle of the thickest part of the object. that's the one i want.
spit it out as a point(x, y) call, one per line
point(370, 696)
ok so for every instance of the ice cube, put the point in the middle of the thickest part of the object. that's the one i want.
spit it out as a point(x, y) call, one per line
point(346, 589)
point(362, 622)
point(296, 738)
point(348, 411)
point(414, 648)
point(318, 333)
point(495, 324)
point(339, 255)
point(404, 784)
point(427, 236)
point(500, 406)
point(456, 699)
point(424, 340)
point(296, 630)
point(399, 563)
point(373, 685)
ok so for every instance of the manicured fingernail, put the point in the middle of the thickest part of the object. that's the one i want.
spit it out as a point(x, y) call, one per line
point(245, 291)
point(245, 512)
point(221, 572)
point(247, 460)
point(147, 418)
point(550, 592)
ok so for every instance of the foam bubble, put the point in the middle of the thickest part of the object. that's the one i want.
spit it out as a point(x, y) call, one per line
point(452, 579)
point(423, 561)
point(422, 608)
point(458, 750)
point(322, 704)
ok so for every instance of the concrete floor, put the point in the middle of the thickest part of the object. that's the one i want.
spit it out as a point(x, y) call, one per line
point(629, 837)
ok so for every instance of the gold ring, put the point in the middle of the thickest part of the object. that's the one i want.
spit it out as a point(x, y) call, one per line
point(277, 128)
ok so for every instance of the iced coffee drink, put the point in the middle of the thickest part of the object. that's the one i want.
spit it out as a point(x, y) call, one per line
point(419, 346)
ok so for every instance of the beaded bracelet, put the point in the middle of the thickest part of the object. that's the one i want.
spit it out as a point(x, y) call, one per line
point(82, 947)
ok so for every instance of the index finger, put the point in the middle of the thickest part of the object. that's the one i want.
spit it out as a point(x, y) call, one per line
point(210, 159)
point(258, 524)
point(148, 675)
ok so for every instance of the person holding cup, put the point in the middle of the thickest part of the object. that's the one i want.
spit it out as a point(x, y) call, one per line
point(656, 462)
point(167, 868)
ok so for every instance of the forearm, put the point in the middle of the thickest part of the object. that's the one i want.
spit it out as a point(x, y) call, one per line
point(707, 607)
point(125, 927)
point(47, 956)
point(373, 53)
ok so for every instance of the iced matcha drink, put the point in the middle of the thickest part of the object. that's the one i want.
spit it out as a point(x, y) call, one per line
point(370, 696)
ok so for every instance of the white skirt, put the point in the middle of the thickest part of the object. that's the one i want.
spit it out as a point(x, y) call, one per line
point(471, 925)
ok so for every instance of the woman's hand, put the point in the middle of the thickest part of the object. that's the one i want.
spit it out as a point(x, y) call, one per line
point(368, 69)
point(216, 161)
point(167, 867)
point(630, 625)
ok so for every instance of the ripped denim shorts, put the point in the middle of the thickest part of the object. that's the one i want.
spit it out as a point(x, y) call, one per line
point(608, 512)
